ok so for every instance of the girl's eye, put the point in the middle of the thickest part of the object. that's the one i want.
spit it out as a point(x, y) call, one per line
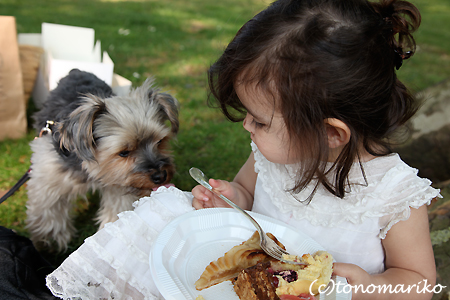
point(257, 124)
point(124, 153)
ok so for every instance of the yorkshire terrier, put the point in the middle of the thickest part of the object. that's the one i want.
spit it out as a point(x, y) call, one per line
point(96, 141)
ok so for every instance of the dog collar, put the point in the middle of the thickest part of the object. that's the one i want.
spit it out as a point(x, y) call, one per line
point(46, 130)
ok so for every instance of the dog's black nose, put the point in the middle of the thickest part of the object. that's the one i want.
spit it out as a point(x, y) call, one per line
point(159, 177)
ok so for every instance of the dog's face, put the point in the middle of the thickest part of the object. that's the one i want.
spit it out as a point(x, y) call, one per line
point(124, 141)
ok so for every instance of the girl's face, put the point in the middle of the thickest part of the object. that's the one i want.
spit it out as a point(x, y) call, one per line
point(266, 125)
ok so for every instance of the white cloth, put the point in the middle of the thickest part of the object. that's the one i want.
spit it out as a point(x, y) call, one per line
point(114, 262)
point(352, 228)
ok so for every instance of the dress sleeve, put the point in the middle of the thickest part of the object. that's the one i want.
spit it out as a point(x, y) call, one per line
point(411, 192)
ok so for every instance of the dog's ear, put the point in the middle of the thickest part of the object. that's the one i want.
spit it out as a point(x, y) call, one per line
point(169, 106)
point(76, 132)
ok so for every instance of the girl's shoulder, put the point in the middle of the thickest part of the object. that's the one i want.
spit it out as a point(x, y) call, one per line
point(385, 189)
point(390, 178)
point(394, 188)
point(387, 171)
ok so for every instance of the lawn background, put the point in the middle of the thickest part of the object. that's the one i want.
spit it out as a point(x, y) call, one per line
point(176, 41)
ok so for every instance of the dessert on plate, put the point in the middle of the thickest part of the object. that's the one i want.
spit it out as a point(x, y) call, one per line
point(240, 257)
point(257, 276)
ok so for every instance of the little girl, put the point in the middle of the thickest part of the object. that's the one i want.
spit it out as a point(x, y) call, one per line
point(315, 83)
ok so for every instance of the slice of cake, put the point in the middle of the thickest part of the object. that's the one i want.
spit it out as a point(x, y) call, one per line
point(256, 283)
point(240, 257)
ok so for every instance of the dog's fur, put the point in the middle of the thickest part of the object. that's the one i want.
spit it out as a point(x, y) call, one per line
point(116, 145)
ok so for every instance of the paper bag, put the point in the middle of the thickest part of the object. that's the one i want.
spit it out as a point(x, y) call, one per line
point(30, 58)
point(13, 121)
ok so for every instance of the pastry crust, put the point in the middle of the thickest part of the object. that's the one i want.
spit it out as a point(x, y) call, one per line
point(240, 257)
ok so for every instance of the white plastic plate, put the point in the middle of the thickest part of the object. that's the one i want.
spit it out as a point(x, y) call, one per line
point(190, 242)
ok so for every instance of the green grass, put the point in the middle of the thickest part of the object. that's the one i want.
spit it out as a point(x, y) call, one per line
point(176, 41)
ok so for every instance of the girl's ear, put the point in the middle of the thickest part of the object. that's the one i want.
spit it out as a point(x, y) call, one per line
point(338, 132)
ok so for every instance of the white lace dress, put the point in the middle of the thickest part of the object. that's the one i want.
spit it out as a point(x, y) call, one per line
point(114, 262)
point(351, 229)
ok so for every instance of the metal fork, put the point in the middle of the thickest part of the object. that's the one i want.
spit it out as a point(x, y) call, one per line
point(266, 243)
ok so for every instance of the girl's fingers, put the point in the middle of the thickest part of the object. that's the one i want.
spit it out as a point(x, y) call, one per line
point(354, 274)
point(203, 198)
point(198, 204)
point(342, 270)
point(201, 193)
point(222, 186)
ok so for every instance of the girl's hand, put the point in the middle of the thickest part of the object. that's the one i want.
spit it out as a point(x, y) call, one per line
point(240, 190)
point(203, 198)
point(355, 277)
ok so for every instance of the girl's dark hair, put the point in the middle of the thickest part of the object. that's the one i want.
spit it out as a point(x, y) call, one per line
point(324, 59)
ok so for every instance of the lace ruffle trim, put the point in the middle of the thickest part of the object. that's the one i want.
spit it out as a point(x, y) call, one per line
point(114, 262)
point(92, 272)
point(328, 211)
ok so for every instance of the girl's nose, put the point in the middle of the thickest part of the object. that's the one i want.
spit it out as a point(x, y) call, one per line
point(245, 123)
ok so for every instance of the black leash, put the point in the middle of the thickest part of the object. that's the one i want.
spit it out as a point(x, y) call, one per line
point(14, 189)
point(44, 131)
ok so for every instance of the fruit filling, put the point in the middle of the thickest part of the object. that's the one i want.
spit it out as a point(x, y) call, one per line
point(288, 275)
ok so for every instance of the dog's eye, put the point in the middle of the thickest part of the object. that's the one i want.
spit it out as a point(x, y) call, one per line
point(159, 142)
point(124, 153)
